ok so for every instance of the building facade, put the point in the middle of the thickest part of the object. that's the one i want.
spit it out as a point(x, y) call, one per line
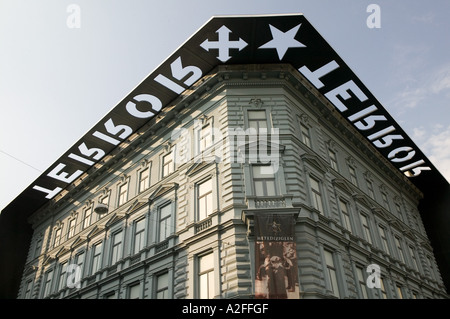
point(180, 196)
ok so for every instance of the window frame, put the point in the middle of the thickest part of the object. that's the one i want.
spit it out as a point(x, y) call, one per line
point(62, 278)
point(332, 155)
point(116, 248)
point(87, 217)
point(382, 230)
point(346, 221)
point(169, 164)
point(362, 281)
point(164, 288)
point(162, 221)
point(47, 287)
point(257, 120)
point(58, 237)
point(144, 183)
point(367, 233)
point(133, 285)
point(332, 272)
point(264, 181)
point(204, 197)
point(317, 193)
point(71, 228)
point(139, 232)
point(96, 263)
point(305, 134)
point(210, 273)
point(122, 194)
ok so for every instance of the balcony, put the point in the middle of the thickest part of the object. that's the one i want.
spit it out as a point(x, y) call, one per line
point(203, 225)
point(262, 202)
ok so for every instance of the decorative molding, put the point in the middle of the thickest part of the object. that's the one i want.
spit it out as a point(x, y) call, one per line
point(332, 145)
point(351, 161)
point(256, 102)
point(123, 177)
point(368, 176)
point(304, 118)
point(316, 162)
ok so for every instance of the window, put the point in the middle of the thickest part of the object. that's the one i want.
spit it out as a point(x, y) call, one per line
point(331, 273)
point(383, 289)
point(412, 252)
point(370, 189)
point(144, 180)
point(71, 228)
point(430, 266)
point(204, 200)
point(123, 193)
point(110, 295)
point(57, 240)
point(167, 167)
point(206, 276)
point(96, 258)
point(257, 120)
point(345, 215)
point(162, 286)
point(366, 228)
point(399, 211)
point(353, 177)
point(399, 248)
point(80, 261)
point(399, 291)
point(139, 236)
point(306, 137)
point(165, 214)
point(384, 241)
point(134, 291)
point(62, 276)
point(116, 253)
point(87, 218)
point(362, 282)
point(204, 138)
point(333, 159)
point(48, 283)
point(316, 195)
point(37, 250)
point(264, 184)
point(385, 200)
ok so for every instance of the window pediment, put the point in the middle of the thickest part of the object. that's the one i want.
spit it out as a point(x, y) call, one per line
point(95, 231)
point(61, 252)
point(344, 185)
point(315, 161)
point(163, 189)
point(77, 242)
point(116, 217)
point(363, 200)
point(197, 167)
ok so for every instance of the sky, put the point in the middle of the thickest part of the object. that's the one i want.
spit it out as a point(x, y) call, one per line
point(59, 75)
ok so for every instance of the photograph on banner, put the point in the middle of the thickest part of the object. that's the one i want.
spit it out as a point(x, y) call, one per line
point(276, 257)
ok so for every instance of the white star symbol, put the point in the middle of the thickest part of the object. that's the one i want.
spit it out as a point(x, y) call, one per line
point(283, 40)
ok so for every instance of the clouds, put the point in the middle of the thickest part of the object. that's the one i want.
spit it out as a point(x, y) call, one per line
point(435, 143)
point(416, 83)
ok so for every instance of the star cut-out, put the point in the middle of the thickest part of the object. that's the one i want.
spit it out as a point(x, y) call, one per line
point(282, 41)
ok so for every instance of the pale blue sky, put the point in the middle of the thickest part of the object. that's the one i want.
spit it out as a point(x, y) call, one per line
point(57, 82)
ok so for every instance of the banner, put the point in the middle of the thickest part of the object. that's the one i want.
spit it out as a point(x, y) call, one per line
point(275, 257)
